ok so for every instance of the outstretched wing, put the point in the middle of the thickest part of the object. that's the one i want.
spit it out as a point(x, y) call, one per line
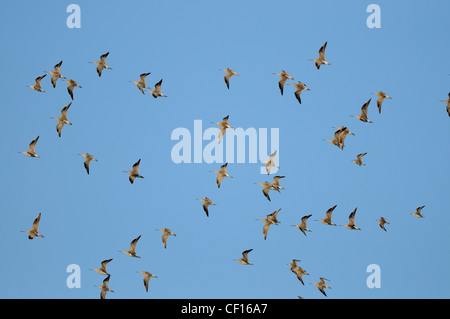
point(36, 223)
point(322, 51)
point(364, 108)
point(33, 145)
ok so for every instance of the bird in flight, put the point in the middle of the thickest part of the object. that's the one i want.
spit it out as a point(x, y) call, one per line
point(102, 270)
point(56, 73)
point(132, 251)
point(229, 73)
point(363, 116)
point(105, 287)
point(418, 212)
point(221, 174)
point(382, 222)
point(293, 264)
point(88, 160)
point(135, 172)
point(72, 85)
point(266, 188)
point(351, 219)
point(101, 64)
point(157, 91)
point(276, 183)
point(166, 233)
point(206, 202)
point(34, 230)
point(31, 151)
point(266, 227)
point(358, 160)
point(244, 260)
point(302, 226)
point(321, 285)
point(141, 83)
point(336, 140)
point(147, 277)
point(300, 87)
point(272, 218)
point(342, 135)
point(327, 219)
point(223, 127)
point(381, 96)
point(299, 272)
point(37, 85)
point(321, 59)
point(284, 77)
point(271, 162)
point(63, 119)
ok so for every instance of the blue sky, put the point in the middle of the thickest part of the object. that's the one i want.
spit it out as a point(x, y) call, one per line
point(89, 218)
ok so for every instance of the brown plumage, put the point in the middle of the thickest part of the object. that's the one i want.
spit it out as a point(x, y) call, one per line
point(351, 221)
point(222, 174)
point(363, 116)
point(321, 59)
point(132, 251)
point(31, 150)
point(102, 270)
point(141, 83)
point(72, 84)
point(321, 285)
point(358, 160)
point(327, 219)
point(266, 188)
point(244, 260)
point(101, 64)
point(166, 233)
point(229, 73)
point(206, 202)
point(302, 226)
point(382, 222)
point(381, 96)
point(105, 287)
point(34, 230)
point(224, 125)
point(284, 77)
point(88, 160)
point(300, 87)
point(63, 119)
point(56, 73)
point(37, 85)
point(147, 277)
point(418, 212)
point(157, 91)
point(135, 172)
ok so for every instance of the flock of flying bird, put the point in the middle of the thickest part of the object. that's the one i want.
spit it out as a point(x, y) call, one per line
point(271, 219)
